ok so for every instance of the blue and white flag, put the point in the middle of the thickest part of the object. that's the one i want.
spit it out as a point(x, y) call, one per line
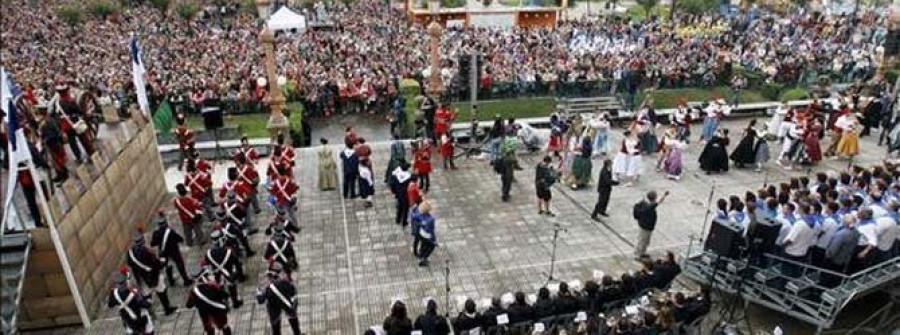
point(137, 74)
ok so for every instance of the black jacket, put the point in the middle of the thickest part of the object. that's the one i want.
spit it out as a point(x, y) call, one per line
point(544, 308)
point(519, 312)
point(393, 326)
point(605, 182)
point(489, 317)
point(431, 324)
point(167, 246)
point(466, 322)
point(645, 214)
point(566, 304)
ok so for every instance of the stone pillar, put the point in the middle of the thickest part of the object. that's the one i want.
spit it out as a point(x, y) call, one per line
point(278, 123)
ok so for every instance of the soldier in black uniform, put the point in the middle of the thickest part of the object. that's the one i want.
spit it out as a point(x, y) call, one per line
point(281, 219)
point(167, 242)
point(236, 212)
point(225, 265)
point(211, 302)
point(234, 233)
point(133, 308)
point(147, 270)
point(280, 296)
point(280, 250)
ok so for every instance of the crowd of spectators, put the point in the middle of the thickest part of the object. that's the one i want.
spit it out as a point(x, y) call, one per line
point(631, 304)
point(357, 64)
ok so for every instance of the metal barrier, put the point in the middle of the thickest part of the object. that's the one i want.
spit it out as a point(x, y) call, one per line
point(800, 296)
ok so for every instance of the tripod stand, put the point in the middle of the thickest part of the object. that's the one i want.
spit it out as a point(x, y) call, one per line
point(218, 154)
point(556, 228)
point(447, 288)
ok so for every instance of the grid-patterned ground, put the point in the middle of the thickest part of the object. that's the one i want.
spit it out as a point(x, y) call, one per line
point(353, 260)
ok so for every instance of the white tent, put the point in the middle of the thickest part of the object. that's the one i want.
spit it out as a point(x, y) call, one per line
point(285, 19)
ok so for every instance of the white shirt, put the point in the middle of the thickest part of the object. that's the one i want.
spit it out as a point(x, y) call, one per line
point(802, 237)
point(867, 234)
point(888, 231)
point(785, 229)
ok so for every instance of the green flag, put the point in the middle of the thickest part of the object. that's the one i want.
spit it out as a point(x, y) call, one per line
point(163, 118)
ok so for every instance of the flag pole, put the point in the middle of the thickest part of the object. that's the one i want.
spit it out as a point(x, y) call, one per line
point(57, 244)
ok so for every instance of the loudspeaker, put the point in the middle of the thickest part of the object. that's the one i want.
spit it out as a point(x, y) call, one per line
point(724, 239)
point(212, 117)
point(761, 237)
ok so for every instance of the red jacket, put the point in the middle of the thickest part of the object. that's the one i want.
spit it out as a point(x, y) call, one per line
point(284, 190)
point(188, 208)
point(240, 188)
point(185, 136)
point(199, 182)
point(423, 161)
point(443, 119)
point(413, 193)
point(247, 173)
point(250, 154)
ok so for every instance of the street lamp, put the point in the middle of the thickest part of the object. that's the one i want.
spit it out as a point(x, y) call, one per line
point(435, 86)
point(278, 123)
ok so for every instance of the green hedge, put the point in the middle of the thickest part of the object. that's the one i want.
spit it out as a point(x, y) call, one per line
point(73, 15)
point(187, 10)
point(794, 94)
point(771, 91)
point(104, 8)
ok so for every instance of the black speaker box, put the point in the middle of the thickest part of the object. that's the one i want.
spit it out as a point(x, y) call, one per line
point(761, 236)
point(212, 117)
point(724, 239)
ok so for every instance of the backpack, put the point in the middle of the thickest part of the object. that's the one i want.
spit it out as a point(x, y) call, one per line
point(638, 210)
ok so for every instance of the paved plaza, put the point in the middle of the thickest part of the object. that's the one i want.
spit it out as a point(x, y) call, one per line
point(354, 261)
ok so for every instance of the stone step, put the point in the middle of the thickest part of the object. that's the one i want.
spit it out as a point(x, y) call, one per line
point(10, 242)
point(10, 274)
point(12, 258)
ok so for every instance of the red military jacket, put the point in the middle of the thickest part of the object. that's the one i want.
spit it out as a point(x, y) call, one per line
point(188, 208)
point(284, 190)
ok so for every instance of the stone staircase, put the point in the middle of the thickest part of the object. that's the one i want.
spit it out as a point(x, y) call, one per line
point(14, 250)
point(610, 104)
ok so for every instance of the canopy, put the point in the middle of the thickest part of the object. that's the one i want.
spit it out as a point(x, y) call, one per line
point(285, 19)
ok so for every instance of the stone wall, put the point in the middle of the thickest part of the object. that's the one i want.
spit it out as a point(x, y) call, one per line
point(96, 212)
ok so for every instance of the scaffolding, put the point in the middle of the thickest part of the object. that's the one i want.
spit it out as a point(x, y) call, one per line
point(798, 293)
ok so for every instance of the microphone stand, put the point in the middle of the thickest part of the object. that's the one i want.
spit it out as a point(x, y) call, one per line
point(712, 191)
point(447, 288)
point(556, 228)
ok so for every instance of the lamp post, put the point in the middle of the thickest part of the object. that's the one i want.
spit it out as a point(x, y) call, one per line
point(435, 86)
point(278, 123)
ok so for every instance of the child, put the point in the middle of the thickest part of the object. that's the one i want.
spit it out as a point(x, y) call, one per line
point(366, 184)
point(447, 141)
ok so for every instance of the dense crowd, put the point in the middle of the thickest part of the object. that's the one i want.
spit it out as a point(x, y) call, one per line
point(358, 65)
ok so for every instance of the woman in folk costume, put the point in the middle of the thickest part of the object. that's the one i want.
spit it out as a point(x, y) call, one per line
point(837, 129)
point(672, 164)
point(581, 164)
point(714, 157)
point(792, 145)
point(761, 150)
point(681, 119)
point(811, 141)
point(645, 123)
point(745, 152)
point(780, 114)
point(665, 143)
point(558, 127)
point(714, 113)
point(572, 145)
point(600, 126)
point(366, 183)
point(849, 143)
point(628, 162)
point(328, 179)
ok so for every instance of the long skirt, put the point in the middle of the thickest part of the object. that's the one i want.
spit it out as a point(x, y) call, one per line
point(744, 154)
point(849, 144)
point(762, 151)
point(601, 143)
point(812, 149)
point(672, 164)
point(649, 142)
point(555, 143)
point(581, 170)
point(328, 179)
point(628, 165)
point(710, 125)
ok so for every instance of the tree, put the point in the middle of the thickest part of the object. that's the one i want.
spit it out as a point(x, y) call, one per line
point(70, 14)
point(647, 5)
point(697, 7)
point(186, 10)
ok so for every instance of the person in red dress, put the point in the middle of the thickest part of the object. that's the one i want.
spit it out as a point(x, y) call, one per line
point(446, 151)
point(422, 163)
point(811, 140)
point(443, 120)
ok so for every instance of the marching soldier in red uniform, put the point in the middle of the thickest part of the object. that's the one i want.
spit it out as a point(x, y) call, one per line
point(235, 185)
point(246, 151)
point(147, 270)
point(211, 301)
point(184, 135)
point(190, 211)
point(287, 152)
point(224, 265)
point(53, 138)
point(363, 151)
point(247, 173)
point(280, 297)
point(200, 184)
point(193, 156)
point(133, 308)
point(284, 189)
point(275, 163)
point(167, 241)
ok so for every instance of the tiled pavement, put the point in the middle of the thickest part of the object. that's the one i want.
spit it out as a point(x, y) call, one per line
point(354, 261)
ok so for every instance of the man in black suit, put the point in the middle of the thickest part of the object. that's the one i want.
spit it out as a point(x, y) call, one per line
point(604, 189)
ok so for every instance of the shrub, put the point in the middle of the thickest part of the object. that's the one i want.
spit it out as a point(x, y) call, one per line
point(162, 5)
point(697, 7)
point(771, 91)
point(794, 94)
point(891, 75)
point(103, 8)
point(409, 88)
point(70, 14)
point(452, 3)
point(187, 10)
